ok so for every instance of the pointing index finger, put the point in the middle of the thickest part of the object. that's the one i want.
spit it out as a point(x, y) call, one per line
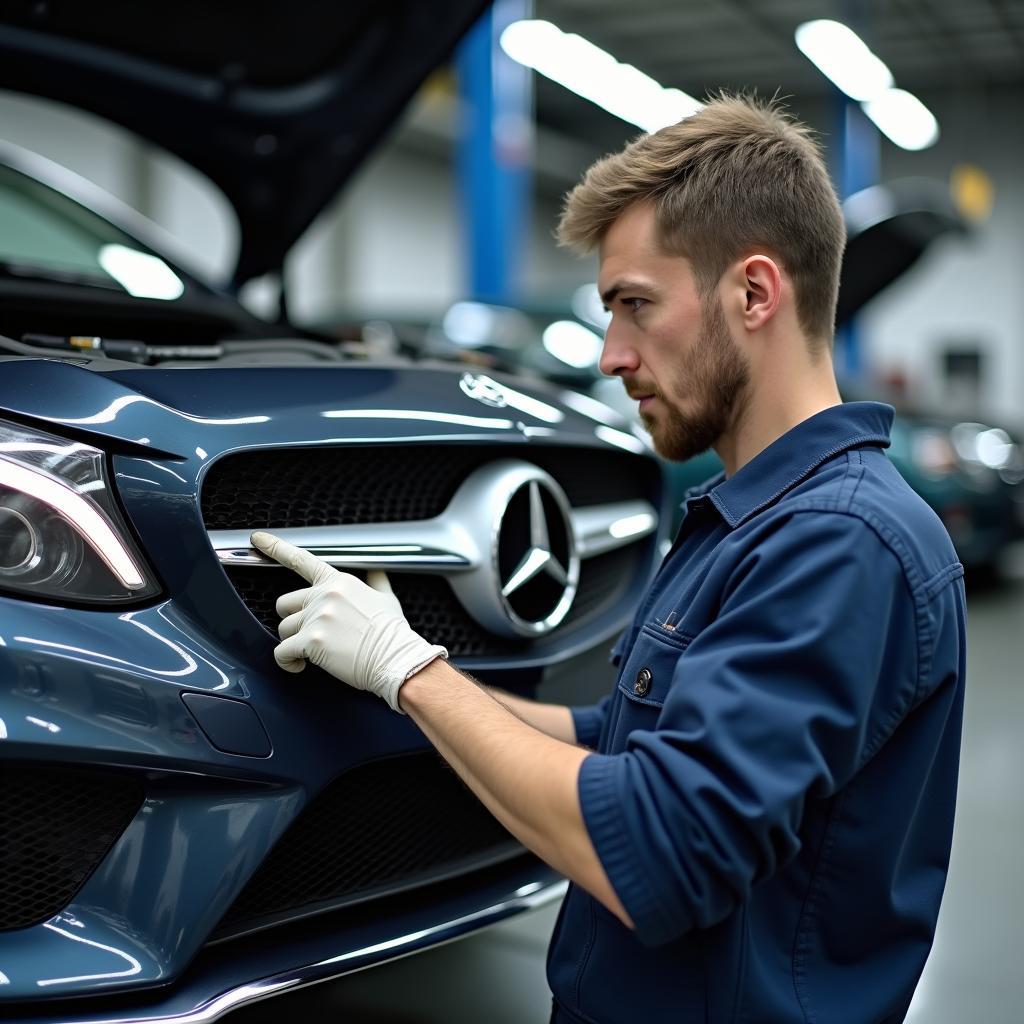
point(312, 569)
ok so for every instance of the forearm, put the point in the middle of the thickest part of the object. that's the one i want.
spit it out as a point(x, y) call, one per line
point(356, 631)
point(528, 780)
point(554, 720)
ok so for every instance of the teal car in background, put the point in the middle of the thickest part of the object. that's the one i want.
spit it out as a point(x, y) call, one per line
point(969, 473)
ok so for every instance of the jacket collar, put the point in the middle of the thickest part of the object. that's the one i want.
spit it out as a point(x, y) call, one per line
point(795, 455)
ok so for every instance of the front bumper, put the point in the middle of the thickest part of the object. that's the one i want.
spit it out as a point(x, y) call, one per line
point(86, 691)
point(224, 977)
point(83, 689)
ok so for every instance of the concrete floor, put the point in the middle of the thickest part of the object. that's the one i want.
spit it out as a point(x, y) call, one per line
point(976, 970)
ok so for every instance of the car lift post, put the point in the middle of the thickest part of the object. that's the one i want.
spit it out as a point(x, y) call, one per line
point(494, 155)
point(855, 167)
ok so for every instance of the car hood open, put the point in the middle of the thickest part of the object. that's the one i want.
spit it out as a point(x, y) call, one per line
point(276, 103)
point(889, 228)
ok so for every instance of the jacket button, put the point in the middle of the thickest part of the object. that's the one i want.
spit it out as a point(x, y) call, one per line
point(643, 682)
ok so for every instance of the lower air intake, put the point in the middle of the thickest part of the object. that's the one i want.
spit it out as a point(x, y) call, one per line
point(56, 825)
point(381, 828)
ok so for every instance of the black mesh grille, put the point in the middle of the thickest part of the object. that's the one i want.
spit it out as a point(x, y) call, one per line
point(605, 580)
point(379, 828)
point(433, 609)
point(389, 483)
point(56, 825)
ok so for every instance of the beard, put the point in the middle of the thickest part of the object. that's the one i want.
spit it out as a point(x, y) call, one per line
point(716, 378)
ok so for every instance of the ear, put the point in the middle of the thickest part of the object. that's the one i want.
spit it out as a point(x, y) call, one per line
point(762, 281)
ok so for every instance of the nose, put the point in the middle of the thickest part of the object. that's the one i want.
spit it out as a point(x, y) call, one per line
point(618, 357)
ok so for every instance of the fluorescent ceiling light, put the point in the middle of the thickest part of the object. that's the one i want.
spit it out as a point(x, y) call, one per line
point(842, 56)
point(572, 343)
point(903, 119)
point(596, 75)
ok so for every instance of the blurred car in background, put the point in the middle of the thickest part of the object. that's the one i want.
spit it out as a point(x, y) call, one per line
point(971, 474)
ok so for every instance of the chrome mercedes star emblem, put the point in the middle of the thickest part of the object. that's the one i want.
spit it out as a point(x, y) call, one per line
point(538, 557)
point(483, 389)
point(537, 565)
point(525, 578)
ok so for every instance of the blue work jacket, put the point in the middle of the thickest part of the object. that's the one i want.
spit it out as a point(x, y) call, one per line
point(774, 776)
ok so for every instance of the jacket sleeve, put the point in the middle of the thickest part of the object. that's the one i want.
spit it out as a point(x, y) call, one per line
point(588, 722)
point(806, 669)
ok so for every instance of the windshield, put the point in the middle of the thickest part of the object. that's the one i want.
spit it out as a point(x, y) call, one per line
point(44, 234)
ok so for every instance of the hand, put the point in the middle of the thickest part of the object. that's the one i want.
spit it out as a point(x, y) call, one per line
point(354, 630)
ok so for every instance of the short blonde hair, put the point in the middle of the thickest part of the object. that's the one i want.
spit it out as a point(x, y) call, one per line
point(738, 175)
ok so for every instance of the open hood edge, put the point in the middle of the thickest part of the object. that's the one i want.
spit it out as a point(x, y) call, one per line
point(279, 154)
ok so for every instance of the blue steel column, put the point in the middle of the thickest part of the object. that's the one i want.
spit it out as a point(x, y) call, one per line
point(856, 167)
point(494, 152)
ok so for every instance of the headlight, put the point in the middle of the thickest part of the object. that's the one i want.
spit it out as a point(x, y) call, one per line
point(61, 535)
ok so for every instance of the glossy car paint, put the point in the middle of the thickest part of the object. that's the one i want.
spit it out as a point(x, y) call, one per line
point(278, 128)
point(210, 817)
point(221, 981)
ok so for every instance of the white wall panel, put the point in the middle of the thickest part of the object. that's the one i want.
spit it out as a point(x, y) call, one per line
point(965, 291)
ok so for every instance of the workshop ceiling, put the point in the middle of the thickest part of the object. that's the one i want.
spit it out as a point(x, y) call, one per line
point(700, 45)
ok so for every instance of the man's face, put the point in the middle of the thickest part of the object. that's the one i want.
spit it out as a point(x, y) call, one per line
point(673, 352)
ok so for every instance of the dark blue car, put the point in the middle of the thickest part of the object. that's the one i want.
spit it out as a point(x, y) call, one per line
point(184, 827)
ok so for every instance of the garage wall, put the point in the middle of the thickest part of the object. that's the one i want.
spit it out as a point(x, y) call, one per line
point(393, 243)
point(965, 293)
point(169, 192)
point(389, 246)
point(553, 274)
point(99, 151)
point(961, 295)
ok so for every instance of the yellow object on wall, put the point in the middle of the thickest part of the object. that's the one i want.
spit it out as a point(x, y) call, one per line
point(973, 191)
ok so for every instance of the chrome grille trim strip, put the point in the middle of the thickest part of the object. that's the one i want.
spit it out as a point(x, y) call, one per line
point(440, 545)
point(601, 528)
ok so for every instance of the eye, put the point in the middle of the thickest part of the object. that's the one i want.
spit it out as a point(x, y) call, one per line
point(634, 303)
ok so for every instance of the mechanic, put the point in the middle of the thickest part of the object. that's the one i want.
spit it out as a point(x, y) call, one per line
point(757, 822)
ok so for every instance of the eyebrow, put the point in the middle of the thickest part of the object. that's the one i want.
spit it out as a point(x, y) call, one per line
point(608, 296)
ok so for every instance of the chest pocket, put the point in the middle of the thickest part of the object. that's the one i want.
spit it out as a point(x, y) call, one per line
point(644, 682)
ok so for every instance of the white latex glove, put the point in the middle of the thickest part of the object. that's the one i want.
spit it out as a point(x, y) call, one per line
point(355, 631)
